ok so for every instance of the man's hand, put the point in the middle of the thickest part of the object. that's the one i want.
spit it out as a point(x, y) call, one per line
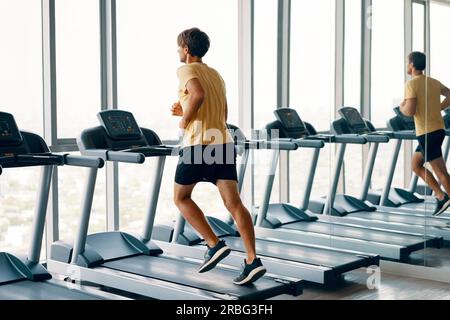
point(177, 109)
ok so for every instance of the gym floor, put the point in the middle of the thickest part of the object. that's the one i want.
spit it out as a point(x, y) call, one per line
point(392, 287)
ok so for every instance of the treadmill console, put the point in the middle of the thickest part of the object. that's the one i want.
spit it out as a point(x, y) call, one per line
point(408, 122)
point(120, 125)
point(291, 122)
point(354, 120)
point(9, 132)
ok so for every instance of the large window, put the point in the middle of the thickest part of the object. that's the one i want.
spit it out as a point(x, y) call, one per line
point(388, 65)
point(439, 62)
point(265, 61)
point(352, 90)
point(312, 85)
point(71, 184)
point(21, 95)
point(265, 87)
point(147, 84)
point(387, 77)
point(77, 65)
point(21, 62)
point(352, 50)
point(418, 27)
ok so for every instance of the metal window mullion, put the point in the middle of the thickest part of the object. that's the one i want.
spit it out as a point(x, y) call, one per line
point(408, 47)
point(109, 101)
point(246, 84)
point(366, 62)
point(50, 110)
point(283, 78)
point(428, 35)
point(339, 65)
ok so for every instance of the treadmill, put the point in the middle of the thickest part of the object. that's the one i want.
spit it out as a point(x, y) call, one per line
point(289, 222)
point(383, 217)
point(24, 278)
point(317, 263)
point(135, 263)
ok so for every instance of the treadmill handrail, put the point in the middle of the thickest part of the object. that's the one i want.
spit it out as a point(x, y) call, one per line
point(325, 137)
point(116, 156)
point(7, 159)
point(310, 143)
point(130, 157)
point(83, 161)
point(152, 151)
point(280, 144)
point(404, 135)
point(39, 159)
point(350, 139)
point(378, 138)
point(387, 133)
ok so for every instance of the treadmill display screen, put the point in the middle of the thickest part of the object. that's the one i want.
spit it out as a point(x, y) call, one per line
point(9, 132)
point(120, 124)
point(289, 118)
point(408, 122)
point(291, 121)
point(354, 119)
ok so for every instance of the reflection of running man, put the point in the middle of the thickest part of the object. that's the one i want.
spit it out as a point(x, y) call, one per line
point(423, 101)
point(203, 108)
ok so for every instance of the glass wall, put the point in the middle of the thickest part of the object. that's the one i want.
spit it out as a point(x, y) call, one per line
point(439, 62)
point(418, 24)
point(21, 95)
point(265, 88)
point(353, 168)
point(77, 65)
point(387, 78)
point(147, 86)
point(71, 183)
point(312, 86)
point(147, 61)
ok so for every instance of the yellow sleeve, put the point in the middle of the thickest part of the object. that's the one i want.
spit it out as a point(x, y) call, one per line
point(184, 74)
point(410, 93)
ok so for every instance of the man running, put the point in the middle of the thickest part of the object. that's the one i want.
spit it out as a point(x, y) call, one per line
point(423, 101)
point(208, 153)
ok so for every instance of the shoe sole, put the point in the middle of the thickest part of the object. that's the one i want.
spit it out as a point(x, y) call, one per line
point(444, 207)
point(252, 276)
point(221, 254)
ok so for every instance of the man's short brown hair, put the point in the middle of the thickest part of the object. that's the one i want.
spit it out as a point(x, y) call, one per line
point(195, 40)
point(418, 59)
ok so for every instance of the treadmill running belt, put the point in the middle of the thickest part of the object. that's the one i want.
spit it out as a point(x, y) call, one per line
point(359, 233)
point(30, 290)
point(339, 261)
point(186, 273)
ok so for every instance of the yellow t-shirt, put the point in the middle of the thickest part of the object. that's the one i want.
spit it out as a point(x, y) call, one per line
point(209, 124)
point(427, 91)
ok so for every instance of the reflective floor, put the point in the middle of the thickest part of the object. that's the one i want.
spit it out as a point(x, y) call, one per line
point(392, 287)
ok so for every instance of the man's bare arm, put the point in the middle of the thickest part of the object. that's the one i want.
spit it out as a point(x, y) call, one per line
point(408, 107)
point(226, 111)
point(446, 93)
point(193, 103)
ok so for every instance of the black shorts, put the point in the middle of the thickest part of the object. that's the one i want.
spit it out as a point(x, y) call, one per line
point(207, 163)
point(430, 145)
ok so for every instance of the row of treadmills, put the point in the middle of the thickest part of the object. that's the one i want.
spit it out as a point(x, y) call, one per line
point(317, 241)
